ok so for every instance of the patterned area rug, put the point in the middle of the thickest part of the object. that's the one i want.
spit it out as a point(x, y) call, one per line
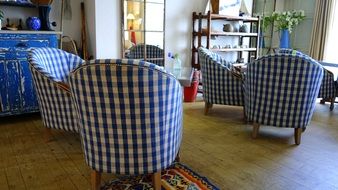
point(176, 177)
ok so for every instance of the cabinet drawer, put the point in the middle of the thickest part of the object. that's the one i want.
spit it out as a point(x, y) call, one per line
point(24, 43)
point(13, 53)
point(17, 94)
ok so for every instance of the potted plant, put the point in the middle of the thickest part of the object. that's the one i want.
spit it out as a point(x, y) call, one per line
point(1, 18)
point(285, 23)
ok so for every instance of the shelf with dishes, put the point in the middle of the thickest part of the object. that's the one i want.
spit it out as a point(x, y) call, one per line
point(233, 18)
point(233, 49)
point(218, 33)
point(225, 17)
point(17, 3)
point(233, 34)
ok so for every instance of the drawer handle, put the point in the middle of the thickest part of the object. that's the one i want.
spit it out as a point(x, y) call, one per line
point(22, 44)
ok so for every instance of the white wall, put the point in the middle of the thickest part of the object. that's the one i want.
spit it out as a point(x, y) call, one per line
point(16, 13)
point(103, 28)
point(108, 29)
point(178, 27)
point(72, 27)
point(103, 24)
point(275, 37)
point(301, 36)
point(90, 21)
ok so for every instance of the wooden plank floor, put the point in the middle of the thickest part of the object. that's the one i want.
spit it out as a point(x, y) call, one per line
point(217, 146)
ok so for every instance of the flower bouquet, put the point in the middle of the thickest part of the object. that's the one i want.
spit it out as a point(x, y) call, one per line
point(286, 20)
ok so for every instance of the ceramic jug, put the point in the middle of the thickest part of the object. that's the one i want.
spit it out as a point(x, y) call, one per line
point(228, 28)
point(244, 28)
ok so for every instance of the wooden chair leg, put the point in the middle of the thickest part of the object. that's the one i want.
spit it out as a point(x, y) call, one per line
point(332, 103)
point(298, 135)
point(95, 180)
point(157, 180)
point(244, 115)
point(207, 106)
point(48, 135)
point(322, 101)
point(255, 130)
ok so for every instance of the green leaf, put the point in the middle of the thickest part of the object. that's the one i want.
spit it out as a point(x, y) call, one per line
point(283, 20)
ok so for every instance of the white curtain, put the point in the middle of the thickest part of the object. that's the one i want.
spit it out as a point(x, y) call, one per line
point(331, 47)
point(321, 27)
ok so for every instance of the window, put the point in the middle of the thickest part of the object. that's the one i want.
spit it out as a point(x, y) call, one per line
point(331, 48)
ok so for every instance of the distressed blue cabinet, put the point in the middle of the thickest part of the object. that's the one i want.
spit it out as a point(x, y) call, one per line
point(17, 94)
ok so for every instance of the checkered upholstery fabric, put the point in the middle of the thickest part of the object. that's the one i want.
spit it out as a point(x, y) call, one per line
point(50, 66)
point(154, 54)
point(281, 90)
point(220, 86)
point(130, 115)
point(290, 51)
point(328, 87)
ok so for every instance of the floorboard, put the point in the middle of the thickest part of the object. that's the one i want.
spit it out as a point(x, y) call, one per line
point(218, 146)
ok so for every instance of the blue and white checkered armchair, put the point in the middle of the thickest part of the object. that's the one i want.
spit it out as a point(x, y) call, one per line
point(281, 91)
point(220, 86)
point(154, 54)
point(50, 69)
point(130, 117)
point(328, 87)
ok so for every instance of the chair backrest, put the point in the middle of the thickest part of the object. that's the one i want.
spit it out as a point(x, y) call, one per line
point(328, 87)
point(281, 90)
point(152, 53)
point(54, 63)
point(130, 115)
point(219, 84)
point(290, 51)
point(49, 67)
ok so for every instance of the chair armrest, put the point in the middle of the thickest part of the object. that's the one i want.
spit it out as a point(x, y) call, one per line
point(65, 87)
point(237, 73)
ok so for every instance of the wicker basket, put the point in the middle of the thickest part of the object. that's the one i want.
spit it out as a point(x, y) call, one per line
point(69, 45)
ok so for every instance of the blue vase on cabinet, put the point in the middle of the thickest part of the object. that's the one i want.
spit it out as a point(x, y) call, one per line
point(33, 23)
point(284, 39)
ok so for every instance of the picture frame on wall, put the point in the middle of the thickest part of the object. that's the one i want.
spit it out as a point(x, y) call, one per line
point(229, 7)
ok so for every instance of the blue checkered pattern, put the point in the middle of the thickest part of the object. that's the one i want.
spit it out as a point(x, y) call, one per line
point(328, 86)
point(154, 54)
point(220, 86)
point(130, 115)
point(290, 51)
point(281, 90)
point(49, 67)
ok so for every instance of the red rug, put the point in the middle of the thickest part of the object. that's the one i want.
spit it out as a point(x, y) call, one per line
point(176, 177)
